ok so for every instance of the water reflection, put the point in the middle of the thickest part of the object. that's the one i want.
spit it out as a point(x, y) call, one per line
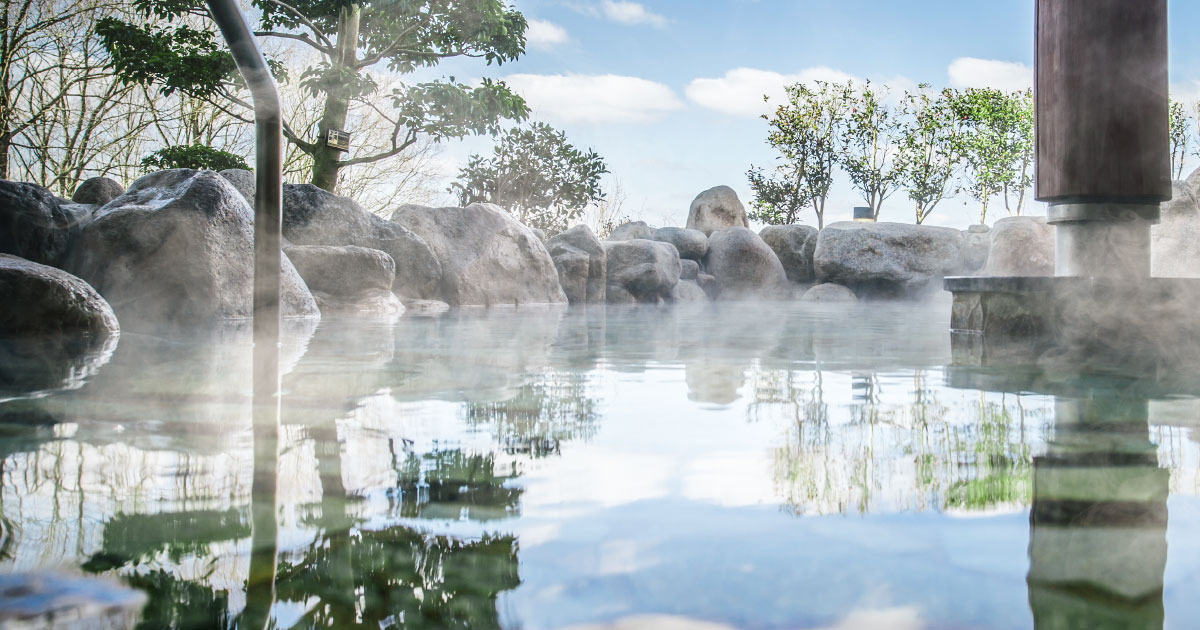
point(912, 451)
point(551, 468)
point(1098, 523)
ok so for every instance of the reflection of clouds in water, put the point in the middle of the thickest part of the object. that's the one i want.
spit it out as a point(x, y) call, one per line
point(653, 622)
point(899, 618)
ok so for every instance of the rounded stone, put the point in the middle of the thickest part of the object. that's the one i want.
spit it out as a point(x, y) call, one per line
point(794, 245)
point(717, 208)
point(98, 191)
point(829, 292)
point(692, 244)
point(42, 300)
point(743, 265)
point(630, 231)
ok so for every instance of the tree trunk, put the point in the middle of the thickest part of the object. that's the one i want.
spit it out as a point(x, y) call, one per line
point(5, 104)
point(337, 101)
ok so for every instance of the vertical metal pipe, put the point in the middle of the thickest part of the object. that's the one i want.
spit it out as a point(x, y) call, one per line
point(268, 197)
point(268, 160)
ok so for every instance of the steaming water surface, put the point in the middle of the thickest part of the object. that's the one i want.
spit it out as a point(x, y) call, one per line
point(727, 466)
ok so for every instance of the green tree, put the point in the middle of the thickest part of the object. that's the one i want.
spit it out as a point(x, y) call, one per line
point(996, 143)
point(1023, 148)
point(535, 174)
point(195, 156)
point(1180, 133)
point(177, 49)
point(804, 131)
point(929, 151)
point(867, 147)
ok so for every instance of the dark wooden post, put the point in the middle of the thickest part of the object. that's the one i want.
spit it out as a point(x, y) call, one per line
point(1103, 152)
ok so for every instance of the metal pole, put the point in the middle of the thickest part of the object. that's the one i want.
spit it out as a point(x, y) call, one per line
point(268, 196)
point(268, 169)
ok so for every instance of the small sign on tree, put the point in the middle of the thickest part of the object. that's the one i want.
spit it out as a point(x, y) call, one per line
point(337, 140)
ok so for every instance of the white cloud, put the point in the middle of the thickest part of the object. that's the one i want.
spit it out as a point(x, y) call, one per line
point(631, 13)
point(595, 98)
point(545, 35)
point(969, 72)
point(1187, 92)
point(740, 92)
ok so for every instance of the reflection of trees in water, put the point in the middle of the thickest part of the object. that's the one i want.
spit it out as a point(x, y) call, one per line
point(399, 577)
point(555, 405)
point(453, 485)
point(872, 454)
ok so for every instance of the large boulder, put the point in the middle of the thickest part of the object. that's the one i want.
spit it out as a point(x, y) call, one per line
point(34, 225)
point(829, 292)
point(582, 266)
point(630, 231)
point(487, 256)
point(243, 181)
point(889, 259)
point(641, 271)
point(313, 216)
point(976, 243)
point(177, 249)
point(744, 265)
point(41, 300)
point(1020, 246)
point(689, 269)
point(1175, 241)
point(688, 291)
point(794, 245)
point(342, 270)
point(1191, 185)
point(347, 277)
point(715, 209)
point(97, 191)
point(691, 244)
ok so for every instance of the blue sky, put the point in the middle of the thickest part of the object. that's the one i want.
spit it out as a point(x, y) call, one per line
point(669, 91)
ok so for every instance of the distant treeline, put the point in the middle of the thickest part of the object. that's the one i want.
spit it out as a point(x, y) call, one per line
point(930, 144)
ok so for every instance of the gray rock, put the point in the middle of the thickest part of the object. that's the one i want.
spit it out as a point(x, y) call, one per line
point(582, 266)
point(243, 181)
point(539, 233)
point(1175, 240)
point(425, 308)
point(888, 259)
point(630, 231)
point(1020, 246)
point(709, 284)
point(177, 249)
point(312, 216)
point(829, 292)
point(379, 302)
point(691, 244)
point(54, 599)
point(641, 271)
point(342, 270)
point(34, 225)
point(97, 191)
point(1191, 185)
point(743, 265)
point(978, 228)
point(487, 257)
point(688, 291)
point(975, 250)
point(41, 300)
point(794, 245)
point(716, 208)
point(689, 269)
